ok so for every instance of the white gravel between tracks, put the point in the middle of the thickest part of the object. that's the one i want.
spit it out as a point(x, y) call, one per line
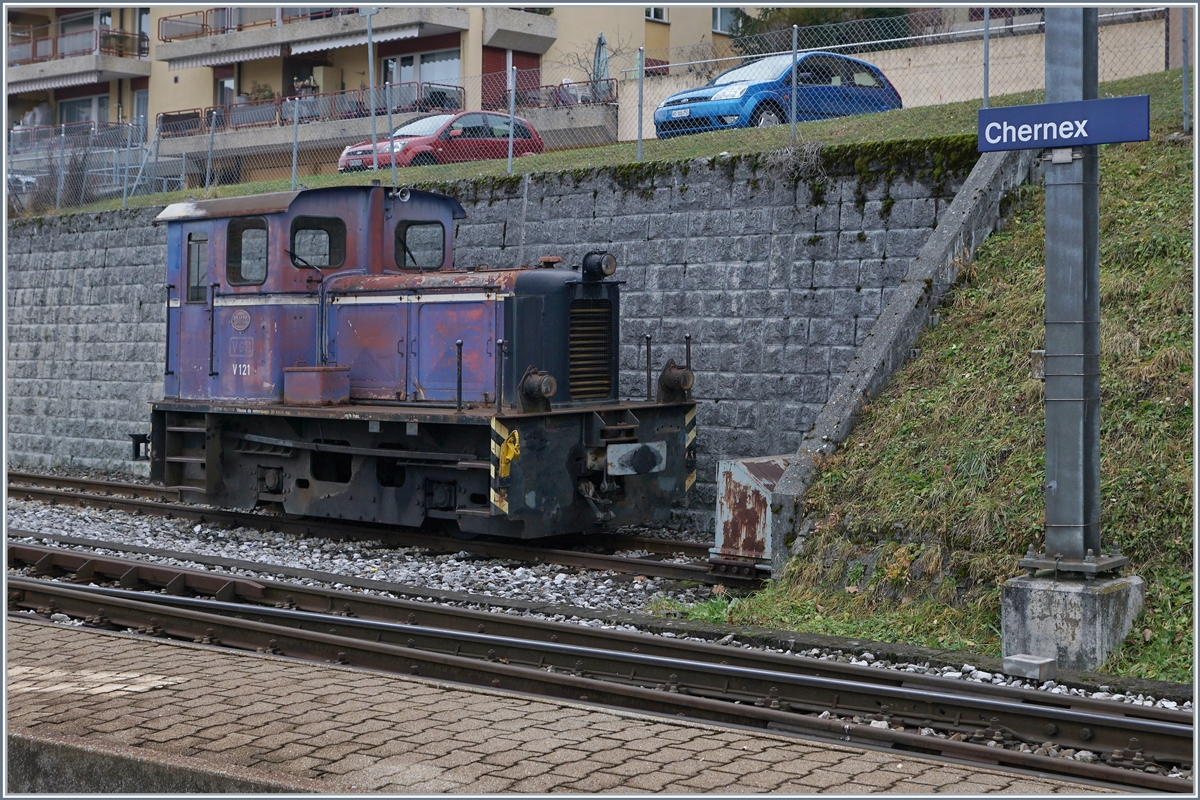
point(459, 572)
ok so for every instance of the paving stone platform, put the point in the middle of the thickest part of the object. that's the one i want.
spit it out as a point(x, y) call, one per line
point(92, 710)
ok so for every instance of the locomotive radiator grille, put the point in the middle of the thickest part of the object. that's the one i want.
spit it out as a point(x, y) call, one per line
point(591, 351)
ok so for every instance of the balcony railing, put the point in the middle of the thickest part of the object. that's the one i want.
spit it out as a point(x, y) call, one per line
point(26, 47)
point(215, 21)
point(402, 98)
point(494, 91)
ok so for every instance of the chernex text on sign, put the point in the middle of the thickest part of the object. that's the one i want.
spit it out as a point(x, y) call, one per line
point(1073, 124)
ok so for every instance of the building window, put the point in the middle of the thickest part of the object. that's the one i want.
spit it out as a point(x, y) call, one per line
point(442, 66)
point(246, 251)
point(83, 109)
point(722, 20)
point(657, 13)
point(143, 21)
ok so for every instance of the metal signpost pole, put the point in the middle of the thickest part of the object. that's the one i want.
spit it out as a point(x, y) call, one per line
point(641, 83)
point(795, 54)
point(1072, 369)
point(512, 110)
point(369, 13)
point(987, 31)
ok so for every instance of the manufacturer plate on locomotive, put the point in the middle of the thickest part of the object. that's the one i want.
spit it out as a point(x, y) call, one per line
point(241, 320)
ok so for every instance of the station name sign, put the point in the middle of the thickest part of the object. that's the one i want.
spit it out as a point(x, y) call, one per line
point(1073, 124)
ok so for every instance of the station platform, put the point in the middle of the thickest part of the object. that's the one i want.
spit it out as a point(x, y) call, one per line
point(98, 711)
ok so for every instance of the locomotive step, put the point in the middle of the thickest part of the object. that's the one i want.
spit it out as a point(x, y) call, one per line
point(187, 459)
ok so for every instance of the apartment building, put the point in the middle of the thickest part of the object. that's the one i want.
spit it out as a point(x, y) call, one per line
point(70, 65)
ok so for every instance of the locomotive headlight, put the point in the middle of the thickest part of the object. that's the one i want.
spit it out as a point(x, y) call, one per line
point(599, 264)
point(539, 384)
point(676, 377)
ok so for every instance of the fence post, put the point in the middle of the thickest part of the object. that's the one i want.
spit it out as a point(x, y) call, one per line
point(295, 139)
point(369, 13)
point(87, 154)
point(62, 169)
point(125, 167)
point(212, 132)
point(142, 168)
point(159, 186)
point(512, 112)
point(795, 53)
point(182, 171)
point(987, 41)
point(641, 84)
point(387, 96)
point(1187, 106)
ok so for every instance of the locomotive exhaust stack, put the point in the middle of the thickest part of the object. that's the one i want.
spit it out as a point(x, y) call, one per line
point(488, 398)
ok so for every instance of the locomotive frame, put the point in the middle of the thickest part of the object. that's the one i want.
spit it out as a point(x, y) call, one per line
point(322, 354)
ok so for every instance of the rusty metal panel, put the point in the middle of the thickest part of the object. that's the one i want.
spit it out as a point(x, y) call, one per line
point(744, 513)
point(372, 341)
point(435, 327)
point(316, 386)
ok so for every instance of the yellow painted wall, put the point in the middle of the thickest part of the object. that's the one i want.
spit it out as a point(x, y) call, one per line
point(658, 34)
point(624, 29)
point(470, 53)
point(175, 90)
point(689, 25)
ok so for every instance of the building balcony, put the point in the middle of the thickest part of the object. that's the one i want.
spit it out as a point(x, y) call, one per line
point(225, 36)
point(38, 62)
point(510, 29)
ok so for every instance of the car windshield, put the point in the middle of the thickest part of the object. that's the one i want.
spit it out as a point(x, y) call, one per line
point(422, 126)
point(765, 69)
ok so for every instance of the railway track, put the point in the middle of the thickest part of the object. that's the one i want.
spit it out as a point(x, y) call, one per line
point(1135, 745)
point(153, 500)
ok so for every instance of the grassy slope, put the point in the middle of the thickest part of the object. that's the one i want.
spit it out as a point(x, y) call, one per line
point(909, 123)
point(928, 505)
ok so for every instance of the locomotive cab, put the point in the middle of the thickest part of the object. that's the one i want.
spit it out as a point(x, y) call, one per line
point(324, 354)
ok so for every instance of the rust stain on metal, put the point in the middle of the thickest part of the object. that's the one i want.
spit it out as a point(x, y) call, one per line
point(497, 281)
point(747, 512)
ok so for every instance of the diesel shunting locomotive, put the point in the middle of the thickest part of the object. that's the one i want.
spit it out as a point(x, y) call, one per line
point(323, 354)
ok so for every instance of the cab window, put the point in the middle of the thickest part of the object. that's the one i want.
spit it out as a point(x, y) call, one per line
point(246, 251)
point(197, 267)
point(420, 245)
point(318, 242)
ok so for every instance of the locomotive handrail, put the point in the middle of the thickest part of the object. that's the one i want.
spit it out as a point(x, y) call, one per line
point(212, 327)
point(167, 359)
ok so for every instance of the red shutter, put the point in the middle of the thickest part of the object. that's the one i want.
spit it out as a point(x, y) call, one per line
point(493, 90)
point(529, 70)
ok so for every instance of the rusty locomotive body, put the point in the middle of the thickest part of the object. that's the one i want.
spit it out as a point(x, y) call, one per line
point(323, 354)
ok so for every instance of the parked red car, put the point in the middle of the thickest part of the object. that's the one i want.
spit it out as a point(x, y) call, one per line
point(445, 139)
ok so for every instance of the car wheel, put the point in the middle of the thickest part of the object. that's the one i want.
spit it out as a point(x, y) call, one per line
point(766, 116)
point(424, 160)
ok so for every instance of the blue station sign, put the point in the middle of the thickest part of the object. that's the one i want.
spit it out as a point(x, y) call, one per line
point(1073, 124)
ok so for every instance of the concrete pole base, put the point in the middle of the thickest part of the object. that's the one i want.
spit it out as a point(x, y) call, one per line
point(1076, 622)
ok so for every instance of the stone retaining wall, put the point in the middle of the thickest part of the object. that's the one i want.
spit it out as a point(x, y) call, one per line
point(777, 285)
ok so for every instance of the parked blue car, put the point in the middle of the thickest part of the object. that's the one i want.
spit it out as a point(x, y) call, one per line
point(759, 94)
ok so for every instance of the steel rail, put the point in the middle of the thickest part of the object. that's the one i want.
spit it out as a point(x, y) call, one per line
point(697, 572)
point(85, 566)
point(584, 681)
point(153, 492)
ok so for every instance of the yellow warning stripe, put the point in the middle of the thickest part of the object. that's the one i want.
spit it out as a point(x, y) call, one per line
point(691, 437)
point(500, 428)
point(689, 416)
point(691, 478)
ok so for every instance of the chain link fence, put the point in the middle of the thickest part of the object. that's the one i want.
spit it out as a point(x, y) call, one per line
point(930, 59)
